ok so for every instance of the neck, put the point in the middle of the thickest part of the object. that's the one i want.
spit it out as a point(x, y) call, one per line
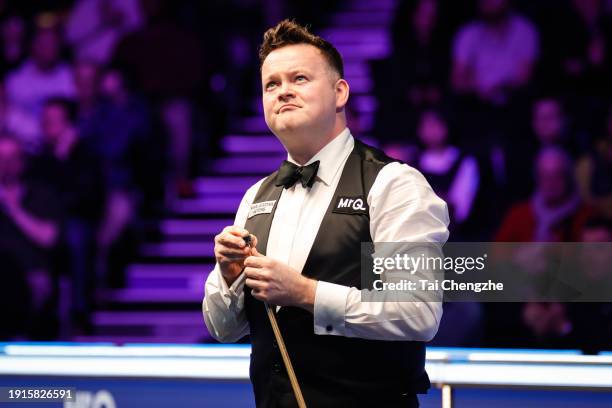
point(306, 147)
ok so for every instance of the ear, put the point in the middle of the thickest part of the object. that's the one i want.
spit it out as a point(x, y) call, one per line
point(342, 94)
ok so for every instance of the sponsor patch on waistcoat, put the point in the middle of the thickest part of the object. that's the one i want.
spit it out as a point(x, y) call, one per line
point(351, 205)
point(264, 207)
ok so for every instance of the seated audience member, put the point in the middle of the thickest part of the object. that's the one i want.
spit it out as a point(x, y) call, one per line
point(579, 325)
point(42, 76)
point(94, 27)
point(418, 68)
point(87, 83)
point(594, 173)
point(494, 55)
point(166, 62)
point(554, 212)
point(577, 44)
point(29, 231)
point(68, 166)
point(12, 42)
point(549, 127)
point(119, 132)
point(452, 174)
point(15, 121)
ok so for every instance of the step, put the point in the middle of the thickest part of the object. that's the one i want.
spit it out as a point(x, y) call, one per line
point(208, 205)
point(252, 144)
point(369, 5)
point(260, 165)
point(119, 339)
point(181, 227)
point(254, 124)
point(365, 103)
point(364, 51)
point(376, 18)
point(143, 269)
point(178, 250)
point(349, 35)
point(153, 295)
point(187, 276)
point(224, 185)
point(362, 85)
point(111, 318)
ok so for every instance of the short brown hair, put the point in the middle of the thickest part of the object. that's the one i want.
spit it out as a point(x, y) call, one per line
point(288, 32)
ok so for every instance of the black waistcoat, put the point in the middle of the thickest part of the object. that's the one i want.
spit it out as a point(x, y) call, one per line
point(332, 370)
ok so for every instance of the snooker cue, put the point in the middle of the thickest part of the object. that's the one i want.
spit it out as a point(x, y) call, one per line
point(281, 345)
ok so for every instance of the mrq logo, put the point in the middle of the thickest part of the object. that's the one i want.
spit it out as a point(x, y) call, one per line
point(89, 399)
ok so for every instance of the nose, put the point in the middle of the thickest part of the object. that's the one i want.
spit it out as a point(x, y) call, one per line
point(286, 92)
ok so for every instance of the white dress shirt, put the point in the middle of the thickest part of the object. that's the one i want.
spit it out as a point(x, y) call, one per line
point(403, 208)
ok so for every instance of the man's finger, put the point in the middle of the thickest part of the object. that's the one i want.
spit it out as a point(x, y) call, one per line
point(231, 240)
point(255, 273)
point(236, 231)
point(255, 284)
point(255, 261)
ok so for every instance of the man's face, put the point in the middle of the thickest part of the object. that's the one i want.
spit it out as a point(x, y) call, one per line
point(298, 89)
point(11, 161)
point(54, 123)
point(547, 120)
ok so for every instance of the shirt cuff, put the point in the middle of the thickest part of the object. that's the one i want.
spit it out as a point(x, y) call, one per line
point(231, 295)
point(330, 308)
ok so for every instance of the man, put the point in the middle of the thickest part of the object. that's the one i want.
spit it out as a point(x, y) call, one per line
point(345, 352)
point(495, 55)
point(29, 230)
point(69, 167)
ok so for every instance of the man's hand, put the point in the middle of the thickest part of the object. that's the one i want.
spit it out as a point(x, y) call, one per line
point(231, 251)
point(277, 283)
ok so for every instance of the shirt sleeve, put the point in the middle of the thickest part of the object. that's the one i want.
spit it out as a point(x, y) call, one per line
point(223, 305)
point(403, 208)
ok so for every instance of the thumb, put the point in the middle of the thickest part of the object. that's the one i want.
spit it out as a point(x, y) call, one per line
point(255, 252)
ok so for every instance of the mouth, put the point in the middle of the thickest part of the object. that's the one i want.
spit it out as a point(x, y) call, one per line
point(287, 107)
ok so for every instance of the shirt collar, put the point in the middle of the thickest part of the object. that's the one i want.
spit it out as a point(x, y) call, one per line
point(331, 156)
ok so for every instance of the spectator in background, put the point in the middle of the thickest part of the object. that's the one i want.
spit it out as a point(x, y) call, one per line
point(421, 53)
point(418, 68)
point(94, 27)
point(494, 56)
point(29, 231)
point(42, 76)
point(577, 42)
point(120, 132)
point(68, 166)
point(555, 212)
point(549, 128)
point(87, 82)
point(594, 172)
point(166, 63)
point(13, 45)
point(16, 122)
point(453, 175)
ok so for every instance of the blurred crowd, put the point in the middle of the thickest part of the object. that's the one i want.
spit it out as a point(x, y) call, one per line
point(505, 107)
point(109, 108)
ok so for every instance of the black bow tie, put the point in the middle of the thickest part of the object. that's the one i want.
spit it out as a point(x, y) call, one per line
point(289, 174)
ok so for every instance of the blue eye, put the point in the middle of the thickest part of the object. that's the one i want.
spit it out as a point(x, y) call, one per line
point(299, 78)
point(270, 85)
